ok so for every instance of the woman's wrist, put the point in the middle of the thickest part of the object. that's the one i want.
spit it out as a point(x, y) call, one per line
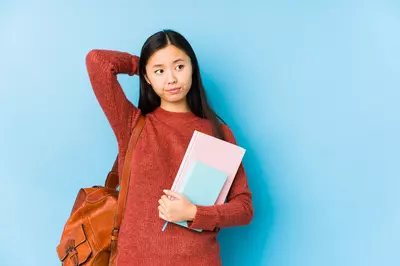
point(192, 212)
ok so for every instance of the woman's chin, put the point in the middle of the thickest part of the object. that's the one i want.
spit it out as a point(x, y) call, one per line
point(175, 98)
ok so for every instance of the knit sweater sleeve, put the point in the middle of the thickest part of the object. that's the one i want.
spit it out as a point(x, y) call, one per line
point(103, 67)
point(238, 209)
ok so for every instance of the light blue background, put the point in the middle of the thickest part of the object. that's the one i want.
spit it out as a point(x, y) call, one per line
point(310, 89)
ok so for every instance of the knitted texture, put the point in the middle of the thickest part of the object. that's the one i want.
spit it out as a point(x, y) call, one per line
point(155, 163)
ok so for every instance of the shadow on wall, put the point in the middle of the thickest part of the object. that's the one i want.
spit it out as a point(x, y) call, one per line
point(245, 245)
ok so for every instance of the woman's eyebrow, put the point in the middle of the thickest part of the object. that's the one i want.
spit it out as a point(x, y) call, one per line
point(175, 61)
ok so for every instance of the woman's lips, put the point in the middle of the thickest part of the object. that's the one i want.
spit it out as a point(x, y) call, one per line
point(174, 91)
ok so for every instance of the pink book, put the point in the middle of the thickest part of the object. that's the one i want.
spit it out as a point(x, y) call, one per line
point(214, 152)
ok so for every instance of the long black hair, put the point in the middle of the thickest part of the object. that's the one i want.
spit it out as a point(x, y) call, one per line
point(196, 97)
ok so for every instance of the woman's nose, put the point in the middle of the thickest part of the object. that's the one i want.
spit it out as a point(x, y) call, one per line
point(171, 78)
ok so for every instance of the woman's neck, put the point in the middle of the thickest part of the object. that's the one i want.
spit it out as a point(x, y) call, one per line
point(178, 107)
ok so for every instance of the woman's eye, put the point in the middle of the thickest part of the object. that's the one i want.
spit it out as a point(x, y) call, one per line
point(180, 67)
point(158, 72)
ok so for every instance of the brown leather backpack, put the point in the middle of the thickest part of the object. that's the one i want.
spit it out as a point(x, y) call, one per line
point(90, 235)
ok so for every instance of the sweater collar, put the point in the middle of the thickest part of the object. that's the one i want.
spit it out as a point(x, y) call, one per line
point(174, 117)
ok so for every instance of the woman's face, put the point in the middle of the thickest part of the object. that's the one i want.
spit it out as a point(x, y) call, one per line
point(169, 71)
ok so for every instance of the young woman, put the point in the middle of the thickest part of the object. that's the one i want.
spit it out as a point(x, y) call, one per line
point(173, 99)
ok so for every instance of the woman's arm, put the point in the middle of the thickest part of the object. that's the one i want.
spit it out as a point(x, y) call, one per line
point(103, 67)
point(238, 209)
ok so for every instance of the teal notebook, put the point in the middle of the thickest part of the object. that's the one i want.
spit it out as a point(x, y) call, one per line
point(202, 186)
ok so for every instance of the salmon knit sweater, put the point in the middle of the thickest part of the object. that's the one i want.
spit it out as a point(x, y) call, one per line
point(155, 163)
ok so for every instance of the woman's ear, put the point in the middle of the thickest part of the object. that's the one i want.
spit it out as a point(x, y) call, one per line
point(147, 79)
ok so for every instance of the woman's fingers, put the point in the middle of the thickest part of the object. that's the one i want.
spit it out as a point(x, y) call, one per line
point(162, 216)
point(163, 205)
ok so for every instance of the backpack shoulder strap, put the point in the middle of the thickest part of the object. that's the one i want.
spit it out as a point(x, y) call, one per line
point(126, 173)
point(112, 180)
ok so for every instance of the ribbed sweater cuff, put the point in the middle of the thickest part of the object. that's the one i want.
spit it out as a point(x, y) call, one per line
point(206, 218)
point(135, 65)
